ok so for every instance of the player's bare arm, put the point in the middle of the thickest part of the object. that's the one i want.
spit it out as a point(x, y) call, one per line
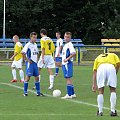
point(94, 84)
point(26, 59)
point(43, 53)
point(59, 51)
point(72, 55)
point(13, 56)
point(117, 67)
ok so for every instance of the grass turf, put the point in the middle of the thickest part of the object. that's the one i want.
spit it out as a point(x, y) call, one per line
point(13, 105)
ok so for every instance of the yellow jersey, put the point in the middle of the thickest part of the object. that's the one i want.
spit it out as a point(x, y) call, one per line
point(17, 49)
point(48, 45)
point(106, 58)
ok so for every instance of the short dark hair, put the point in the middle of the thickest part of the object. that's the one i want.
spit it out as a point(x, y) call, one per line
point(44, 31)
point(32, 33)
point(58, 32)
point(68, 33)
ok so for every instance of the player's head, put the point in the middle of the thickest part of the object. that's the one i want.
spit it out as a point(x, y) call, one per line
point(15, 38)
point(33, 37)
point(43, 32)
point(67, 36)
point(58, 34)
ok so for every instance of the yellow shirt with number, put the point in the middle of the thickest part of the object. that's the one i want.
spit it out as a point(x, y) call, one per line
point(17, 49)
point(106, 58)
point(48, 45)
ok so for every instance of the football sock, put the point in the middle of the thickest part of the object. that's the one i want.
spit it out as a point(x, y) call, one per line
point(100, 101)
point(14, 74)
point(39, 78)
point(37, 84)
point(51, 78)
point(113, 101)
point(21, 74)
point(72, 87)
point(69, 89)
point(56, 70)
point(25, 87)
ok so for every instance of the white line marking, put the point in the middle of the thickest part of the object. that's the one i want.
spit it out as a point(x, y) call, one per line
point(72, 100)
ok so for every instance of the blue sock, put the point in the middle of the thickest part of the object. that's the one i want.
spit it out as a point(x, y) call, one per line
point(25, 87)
point(56, 70)
point(37, 84)
point(69, 90)
point(72, 87)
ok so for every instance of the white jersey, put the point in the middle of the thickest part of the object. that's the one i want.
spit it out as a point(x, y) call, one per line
point(31, 51)
point(67, 50)
point(58, 44)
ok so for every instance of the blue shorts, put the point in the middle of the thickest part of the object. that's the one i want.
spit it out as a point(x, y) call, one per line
point(58, 59)
point(68, 70)
point(31, 69)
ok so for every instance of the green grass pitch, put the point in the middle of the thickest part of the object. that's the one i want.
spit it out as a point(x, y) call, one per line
point(14, 106)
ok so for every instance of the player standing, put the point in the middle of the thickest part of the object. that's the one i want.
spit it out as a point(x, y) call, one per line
point(58, 53)
point(30, 53)
point(18, 59)
point(105, 68)
point(46, 59)
point(68, 53)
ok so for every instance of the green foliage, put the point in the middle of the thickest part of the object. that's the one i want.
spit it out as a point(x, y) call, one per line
point(89, 20)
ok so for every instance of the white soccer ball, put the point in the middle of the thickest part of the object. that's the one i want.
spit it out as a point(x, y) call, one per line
point(56, 93)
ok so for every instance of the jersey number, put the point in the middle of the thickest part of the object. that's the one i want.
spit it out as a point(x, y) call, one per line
point(49, 46)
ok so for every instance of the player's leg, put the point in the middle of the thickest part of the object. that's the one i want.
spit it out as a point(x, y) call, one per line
point(68, 73)
point(27, 78)
point(37, 85)
point(39, 70)
point(50, 64)
point(113, 99)
point(29, 73)
point(37, 80)
point(21, 73)
point(100, 101)
point(58, 61)
point(56, 69)
point(101, 77)
point(112, 83)
point(51, 78)
point(13, 66)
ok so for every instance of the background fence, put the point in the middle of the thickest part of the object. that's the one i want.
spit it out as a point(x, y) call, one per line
point(85, 54)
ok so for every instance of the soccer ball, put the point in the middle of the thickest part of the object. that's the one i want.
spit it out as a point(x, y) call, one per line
point(56, 93)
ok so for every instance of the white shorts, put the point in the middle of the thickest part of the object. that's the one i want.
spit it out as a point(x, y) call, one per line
point(17, 64)
point(106, 73)
point(48, 62)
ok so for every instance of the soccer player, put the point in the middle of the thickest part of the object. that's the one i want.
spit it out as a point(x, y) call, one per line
point(46, 59)
point(68, 52)
point(18, 59)
point(105, 70)
point(58, 53)
point(30, 54)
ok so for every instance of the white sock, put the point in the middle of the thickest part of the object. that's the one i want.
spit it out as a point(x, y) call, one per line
point(14, 74)
point(100, 101)
point(21, 73)
point(51, 78)
point(113, 101)
point(39, 78)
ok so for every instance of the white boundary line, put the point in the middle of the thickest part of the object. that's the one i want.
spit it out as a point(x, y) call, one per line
point(72, 100)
